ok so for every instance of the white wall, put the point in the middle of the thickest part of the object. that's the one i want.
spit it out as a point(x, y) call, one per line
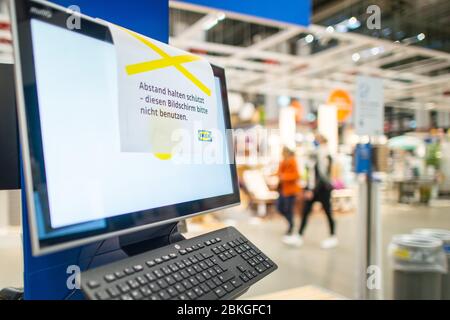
point(4, 210)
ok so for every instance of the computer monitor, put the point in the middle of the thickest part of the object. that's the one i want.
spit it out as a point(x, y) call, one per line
point(80, 186)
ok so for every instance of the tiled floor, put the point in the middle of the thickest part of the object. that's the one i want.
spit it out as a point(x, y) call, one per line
point(335, 269)
point(309, 265)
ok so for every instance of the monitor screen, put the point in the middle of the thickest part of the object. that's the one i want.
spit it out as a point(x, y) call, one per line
point(81, 185)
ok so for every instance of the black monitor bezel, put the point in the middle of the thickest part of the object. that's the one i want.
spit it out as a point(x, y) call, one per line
point(30, 125)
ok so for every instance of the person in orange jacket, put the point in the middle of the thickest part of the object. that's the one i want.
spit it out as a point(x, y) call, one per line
point(289, 188)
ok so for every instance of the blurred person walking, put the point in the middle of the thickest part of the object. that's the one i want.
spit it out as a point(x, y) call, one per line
point(289, 189)
point(319, 189)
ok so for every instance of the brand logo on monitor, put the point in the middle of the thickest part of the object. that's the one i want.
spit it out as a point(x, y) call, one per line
point(45, 13)
point(205, 136)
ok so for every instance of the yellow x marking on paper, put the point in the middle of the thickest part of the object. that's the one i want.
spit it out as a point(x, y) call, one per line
point(166, 61)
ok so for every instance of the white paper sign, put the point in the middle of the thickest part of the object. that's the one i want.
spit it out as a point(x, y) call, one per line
point(162, 90)
point(369, 106)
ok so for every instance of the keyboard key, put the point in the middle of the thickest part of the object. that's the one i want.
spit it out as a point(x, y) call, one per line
point(162, 283)
point(113, 292)
point(142, 280)
point(126, 297)
point(228, 287)
point(193, 281)
point(200, 278)
point(205, 287)
point(138, 268)
point(173, 256)
point(158, 260)
point(236, 283)
point(197, 268)
point(194, 260)
point(128, 271)
point(195, 247)
point(183, 252)
point(154, 287)
point(206, 255)
point(170, 280)
point(146, 291)
point(102, 295)
point(158, 274)
point(260, 268)
point(212, 272)
point(174, 268)
point(211, 284)
point(136, 295)
point(110, 278)
point(244, 278)
point(191, 295)
point(172, 292)
point(218, 240)
point(199, 292)
point(189, 250)
point(163, 295)
point(179, 287)
point(242, 268)
point(186, 284)
point(208, 243)
point(93, 284)
point(226, 276)
point(151, 263)
point(217, 281)
point(191, 271)
point(183, 297)
point(220, 292)
point(166, 270)
point(150, 277)
point(119, 274)
point(133, 284)
point(166, 258)
point(177, 277)
point(199, 257)
point(123, 287)
point(155, 297)
point(184, 274)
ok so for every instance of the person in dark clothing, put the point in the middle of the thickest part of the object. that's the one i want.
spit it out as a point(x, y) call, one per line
point(319, 190)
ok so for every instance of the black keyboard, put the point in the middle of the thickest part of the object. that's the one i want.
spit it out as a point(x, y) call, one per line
point(219, 265)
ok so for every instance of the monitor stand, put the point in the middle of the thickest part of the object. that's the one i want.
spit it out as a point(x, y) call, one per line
point(129, 245)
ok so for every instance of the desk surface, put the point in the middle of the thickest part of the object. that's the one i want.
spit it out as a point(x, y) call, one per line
point(303, 293)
